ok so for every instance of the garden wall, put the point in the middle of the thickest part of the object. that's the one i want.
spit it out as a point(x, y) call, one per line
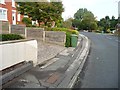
point(14, 52)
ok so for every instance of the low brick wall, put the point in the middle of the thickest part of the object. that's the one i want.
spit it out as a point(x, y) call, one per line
point(35, 33)
point(56, 37)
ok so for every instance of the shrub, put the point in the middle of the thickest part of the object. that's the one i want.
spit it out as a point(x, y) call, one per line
point(68, 34)
point(68, 40)
point(7, 37)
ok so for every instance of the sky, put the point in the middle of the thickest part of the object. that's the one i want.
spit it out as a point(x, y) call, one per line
point(100, 8)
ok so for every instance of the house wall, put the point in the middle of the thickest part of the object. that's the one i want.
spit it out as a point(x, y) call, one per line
point(8, 5)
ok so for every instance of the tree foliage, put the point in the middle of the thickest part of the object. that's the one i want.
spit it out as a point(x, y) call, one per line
point(67, 23)
point(84, 20)
point(108, 23)
point(42, 11)
point(27, 21)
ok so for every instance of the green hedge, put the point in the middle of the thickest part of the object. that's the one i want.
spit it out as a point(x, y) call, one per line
point(68, 34)
point(7, 37)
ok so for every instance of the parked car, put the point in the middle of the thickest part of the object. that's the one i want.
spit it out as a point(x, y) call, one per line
point(113, 31)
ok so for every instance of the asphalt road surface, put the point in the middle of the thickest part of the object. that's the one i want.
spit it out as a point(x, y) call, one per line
point(101, 67)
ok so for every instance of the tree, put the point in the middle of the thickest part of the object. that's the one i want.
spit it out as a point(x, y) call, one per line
point(57, 9)
point(46, 12)
point(75, 23)
point(85, 20)
point(67, 23)
point(107, 23)
point(27, 21)
point(113, 22)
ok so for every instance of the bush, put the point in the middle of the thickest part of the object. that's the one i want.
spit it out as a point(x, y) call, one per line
point(63, 29)
point(7, 37)
point(68, 39)
point(68, 34)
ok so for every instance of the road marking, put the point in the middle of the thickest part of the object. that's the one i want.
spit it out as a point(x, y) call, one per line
point(117, 40)
point(109, 38)
point(97, 58)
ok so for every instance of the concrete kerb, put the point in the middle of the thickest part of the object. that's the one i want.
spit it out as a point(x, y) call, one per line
point(84, 53)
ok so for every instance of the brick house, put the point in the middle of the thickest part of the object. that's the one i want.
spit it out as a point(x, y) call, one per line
point(9, 13)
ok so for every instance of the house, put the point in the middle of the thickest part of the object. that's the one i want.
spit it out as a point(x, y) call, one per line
point(9, 13)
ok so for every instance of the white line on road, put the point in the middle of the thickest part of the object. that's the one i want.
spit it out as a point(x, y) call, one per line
point(117, 40)
point(109, 38)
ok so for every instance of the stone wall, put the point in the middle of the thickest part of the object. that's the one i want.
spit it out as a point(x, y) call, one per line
point(56, 37)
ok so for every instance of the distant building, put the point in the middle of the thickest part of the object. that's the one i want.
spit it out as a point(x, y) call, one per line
point(9, 13)
point(119, 9)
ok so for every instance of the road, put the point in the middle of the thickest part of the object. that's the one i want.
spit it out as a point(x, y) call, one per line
point(101, 67)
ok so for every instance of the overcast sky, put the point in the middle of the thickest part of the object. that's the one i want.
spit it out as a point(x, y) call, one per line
point(99, 8)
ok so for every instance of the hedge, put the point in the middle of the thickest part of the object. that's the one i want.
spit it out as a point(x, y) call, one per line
point(7, 37)
point(68, 34)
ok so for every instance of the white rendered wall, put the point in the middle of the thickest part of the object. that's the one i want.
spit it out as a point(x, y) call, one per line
point(16, 52)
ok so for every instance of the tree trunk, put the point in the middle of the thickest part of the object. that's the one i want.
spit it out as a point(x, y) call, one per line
point(39, 23)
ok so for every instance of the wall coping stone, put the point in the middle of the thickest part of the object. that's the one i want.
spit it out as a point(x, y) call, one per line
point(15, 41)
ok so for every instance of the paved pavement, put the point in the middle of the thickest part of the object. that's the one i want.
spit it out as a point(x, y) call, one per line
point(101, 68)
point(47, 51)
point(60, 74)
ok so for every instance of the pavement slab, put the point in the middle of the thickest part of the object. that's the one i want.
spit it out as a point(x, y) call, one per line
point(47, 51)
point(53, 78)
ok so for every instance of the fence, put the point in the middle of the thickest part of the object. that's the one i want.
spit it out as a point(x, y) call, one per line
point(56, 37)
point(4, 27)
point(18, 29)
point(39, 34)
point(35, 33)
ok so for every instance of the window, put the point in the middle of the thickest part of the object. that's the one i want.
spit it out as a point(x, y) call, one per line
point(2, 1)
point(0, 12)
point(3, 14)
